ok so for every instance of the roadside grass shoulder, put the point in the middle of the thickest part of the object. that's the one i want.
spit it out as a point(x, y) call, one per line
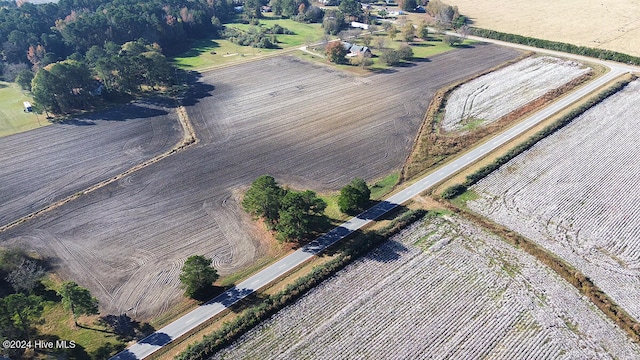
point(13, 119)
point(384, 186)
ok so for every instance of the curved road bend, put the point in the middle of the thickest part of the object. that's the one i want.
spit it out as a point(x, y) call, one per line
point(181, 326)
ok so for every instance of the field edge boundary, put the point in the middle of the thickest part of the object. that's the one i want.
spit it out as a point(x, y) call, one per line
point(188, 138)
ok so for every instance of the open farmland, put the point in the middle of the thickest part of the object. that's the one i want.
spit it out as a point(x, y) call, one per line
point(605, 24)
point(441, 289)
point(310, 126)
point(489, 97)
point(576, 194)
point(40, 167)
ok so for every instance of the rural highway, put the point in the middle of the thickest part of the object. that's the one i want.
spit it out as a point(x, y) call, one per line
point(181, 326)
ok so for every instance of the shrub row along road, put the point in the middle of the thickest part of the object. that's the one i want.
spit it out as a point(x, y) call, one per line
point(181, 326)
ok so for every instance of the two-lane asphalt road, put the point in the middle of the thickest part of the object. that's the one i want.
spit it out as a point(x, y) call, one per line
point(214, 307)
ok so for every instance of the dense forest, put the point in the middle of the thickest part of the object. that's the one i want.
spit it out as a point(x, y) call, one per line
point(76, 51)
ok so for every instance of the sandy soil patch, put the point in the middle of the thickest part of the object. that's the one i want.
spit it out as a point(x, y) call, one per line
point(606, 24)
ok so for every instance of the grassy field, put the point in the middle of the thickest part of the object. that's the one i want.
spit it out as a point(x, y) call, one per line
point(12, 117)
point(58, 324)
point(209, 52)
point(606, 24)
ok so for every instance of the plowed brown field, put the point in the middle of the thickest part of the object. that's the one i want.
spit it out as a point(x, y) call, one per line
point(310, 126)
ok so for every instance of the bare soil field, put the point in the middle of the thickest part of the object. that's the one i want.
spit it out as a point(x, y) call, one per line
point(606, 24)
point(308, 125)
point(41, 167)
point(486, 99)
point(576, 194)
point(441, 289)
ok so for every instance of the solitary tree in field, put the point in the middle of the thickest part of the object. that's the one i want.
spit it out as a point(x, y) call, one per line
point(381, 42)
point(197, 275)
point(354, 197)
point(363, 60)
point(392, 32)
point(78, 300)
point(263, 198)
point(423, 31)
point(366, 39)
point(452, 40)
point(409, 32)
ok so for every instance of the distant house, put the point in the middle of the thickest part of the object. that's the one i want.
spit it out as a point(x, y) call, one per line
point(355, 50)
point(359, 25)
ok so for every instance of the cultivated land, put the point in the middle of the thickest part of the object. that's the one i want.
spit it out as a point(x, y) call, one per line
point(605, 24)
point(440, 289)
point(310, 126)
point(43, 166)
point(575, 193)
point(489, 97)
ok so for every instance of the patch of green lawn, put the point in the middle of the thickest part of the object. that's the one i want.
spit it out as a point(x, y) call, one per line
point(57, 323)
point(422, 49)
point(302, 31)
point(333, 211)
point(13, 119)
point(208, 52)
point(461, 200)
point(384, 186)
point(214, 52)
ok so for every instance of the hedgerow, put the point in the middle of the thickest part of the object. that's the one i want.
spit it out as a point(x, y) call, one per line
point(557, 46)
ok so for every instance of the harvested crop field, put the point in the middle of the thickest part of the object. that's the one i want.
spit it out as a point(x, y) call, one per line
point(605, 24)
point(576, 194)
point(310, 126)
point(494, 95)
point(43, 166)
point(441, 289)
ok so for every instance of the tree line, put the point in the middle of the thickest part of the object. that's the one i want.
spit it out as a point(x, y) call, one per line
point(295, 215)
point(22, 302)
point(77, 53)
